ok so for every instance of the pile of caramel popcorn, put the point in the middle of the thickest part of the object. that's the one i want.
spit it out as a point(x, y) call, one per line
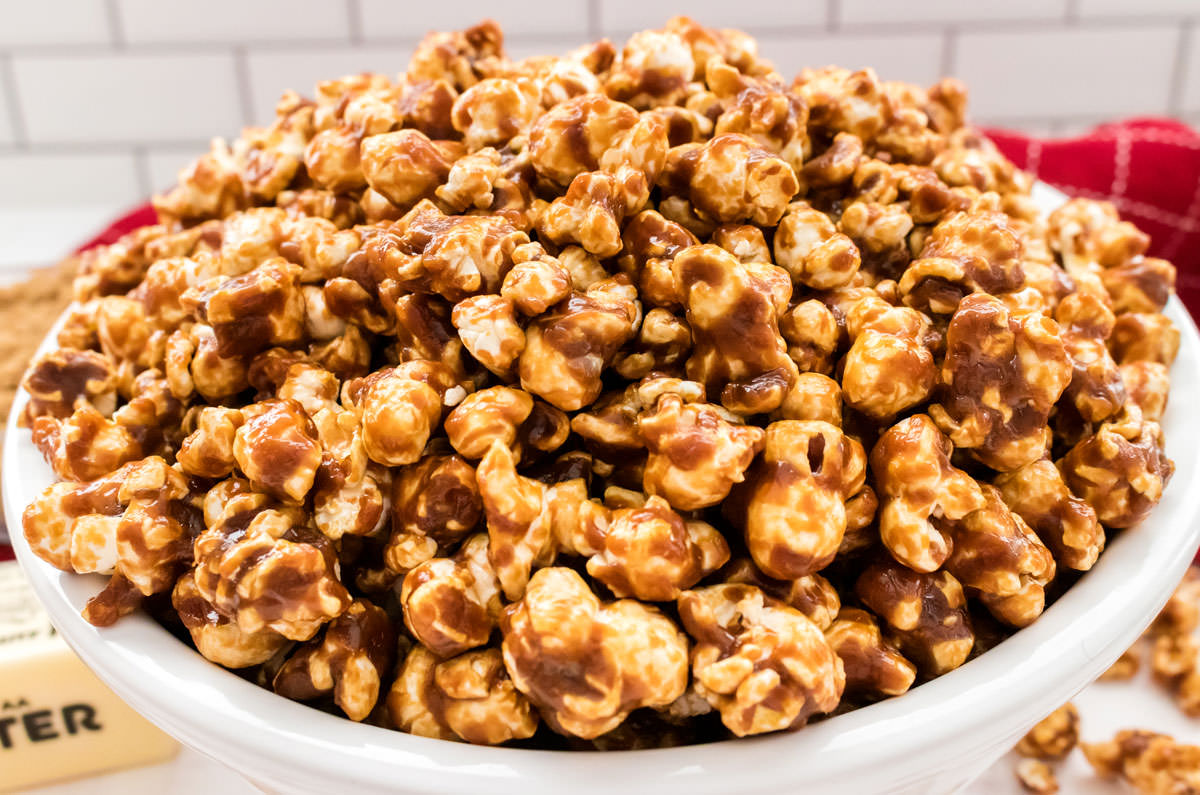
point(633, 397)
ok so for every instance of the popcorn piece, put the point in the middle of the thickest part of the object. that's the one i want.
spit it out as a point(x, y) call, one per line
point(1172, 658)
point(493, 111)
point(1054, 736)
point(1096, 390)
point(1068, 525)
point(276, 447)
point(263, 572)
point(256, 310)
point(1121, 470)
point(536, 282)
point(811, 333)
point(729, 179)
point(127, 525)
point(398, 412)
point(737, 352)
point(586, 664)
point(843, 101)
point(696, 453)
point(649, 244)
point(485, 417)
point(208, 451)
point(569, 139)
point(1037, 777)
point(794, 512)
point(1147, 385)
point(872, 665)
point(349, 662)
point(1001, 376)
point(663, 344)
point(966, 253)
point(1086, 232)
point(1151, 763)
point(85, 446)
point(1125, 668)
point(455, 256)
point(810, 248)
point(451, 604)
point(1144, 284)
point(435, 504)
point(925, 612)
point(812, 594)
point(63, 380)
point(529, 521)
point(404, 166)
point(742, 241)
point(218, 638)
point(995, 554)
point(652, 69)
point(911, 465)
point(762, 664)
point(469, 697)
point(567, 349)
point(350, 494)
point(1139, 337)
point(889, 367)
point(460, 58)
point(651, 553)
point(488, 328)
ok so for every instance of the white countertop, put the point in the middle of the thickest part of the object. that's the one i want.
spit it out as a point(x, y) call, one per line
point(34, 238)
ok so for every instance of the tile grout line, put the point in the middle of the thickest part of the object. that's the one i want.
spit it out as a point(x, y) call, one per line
point(354, 21)
point(949, 51)
point(16, 115)
point(1071, 12)
point(1179, 71)
point(116, 27)
point(594, 28)
point(832, 15)
point(141, 169)
point(241, 68)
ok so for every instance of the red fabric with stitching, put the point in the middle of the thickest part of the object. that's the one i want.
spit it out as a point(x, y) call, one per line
point(1148, 168)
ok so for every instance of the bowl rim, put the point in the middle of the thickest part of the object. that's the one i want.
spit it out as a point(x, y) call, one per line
point(1000, 693)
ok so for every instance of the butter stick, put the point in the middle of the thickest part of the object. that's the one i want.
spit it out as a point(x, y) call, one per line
point(57, 720)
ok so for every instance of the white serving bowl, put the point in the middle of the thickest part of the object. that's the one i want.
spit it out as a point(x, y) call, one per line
point(934, 739)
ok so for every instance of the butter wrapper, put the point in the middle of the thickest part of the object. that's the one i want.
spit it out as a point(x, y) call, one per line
point(57, 720)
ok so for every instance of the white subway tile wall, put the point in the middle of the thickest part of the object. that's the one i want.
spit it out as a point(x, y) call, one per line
point(1140, 8)
point(102, 101)
point(915, 57)
point(149, 21)
point(926, 12)
point(624, 16)
point(389, 19)
point(54, 23)
point(119, 97)
point(70, 179)
point(1066, 72)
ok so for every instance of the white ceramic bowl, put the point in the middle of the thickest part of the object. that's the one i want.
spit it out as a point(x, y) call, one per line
point(933, 739)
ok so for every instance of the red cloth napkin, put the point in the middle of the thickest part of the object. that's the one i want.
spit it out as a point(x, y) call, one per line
point(1148, 168)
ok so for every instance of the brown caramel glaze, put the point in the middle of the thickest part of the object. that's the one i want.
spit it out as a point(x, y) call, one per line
point(58, 382)
point(119, 598)
point(926, 613)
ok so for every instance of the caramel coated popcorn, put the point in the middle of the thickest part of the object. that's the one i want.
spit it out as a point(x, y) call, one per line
point(629, 398)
